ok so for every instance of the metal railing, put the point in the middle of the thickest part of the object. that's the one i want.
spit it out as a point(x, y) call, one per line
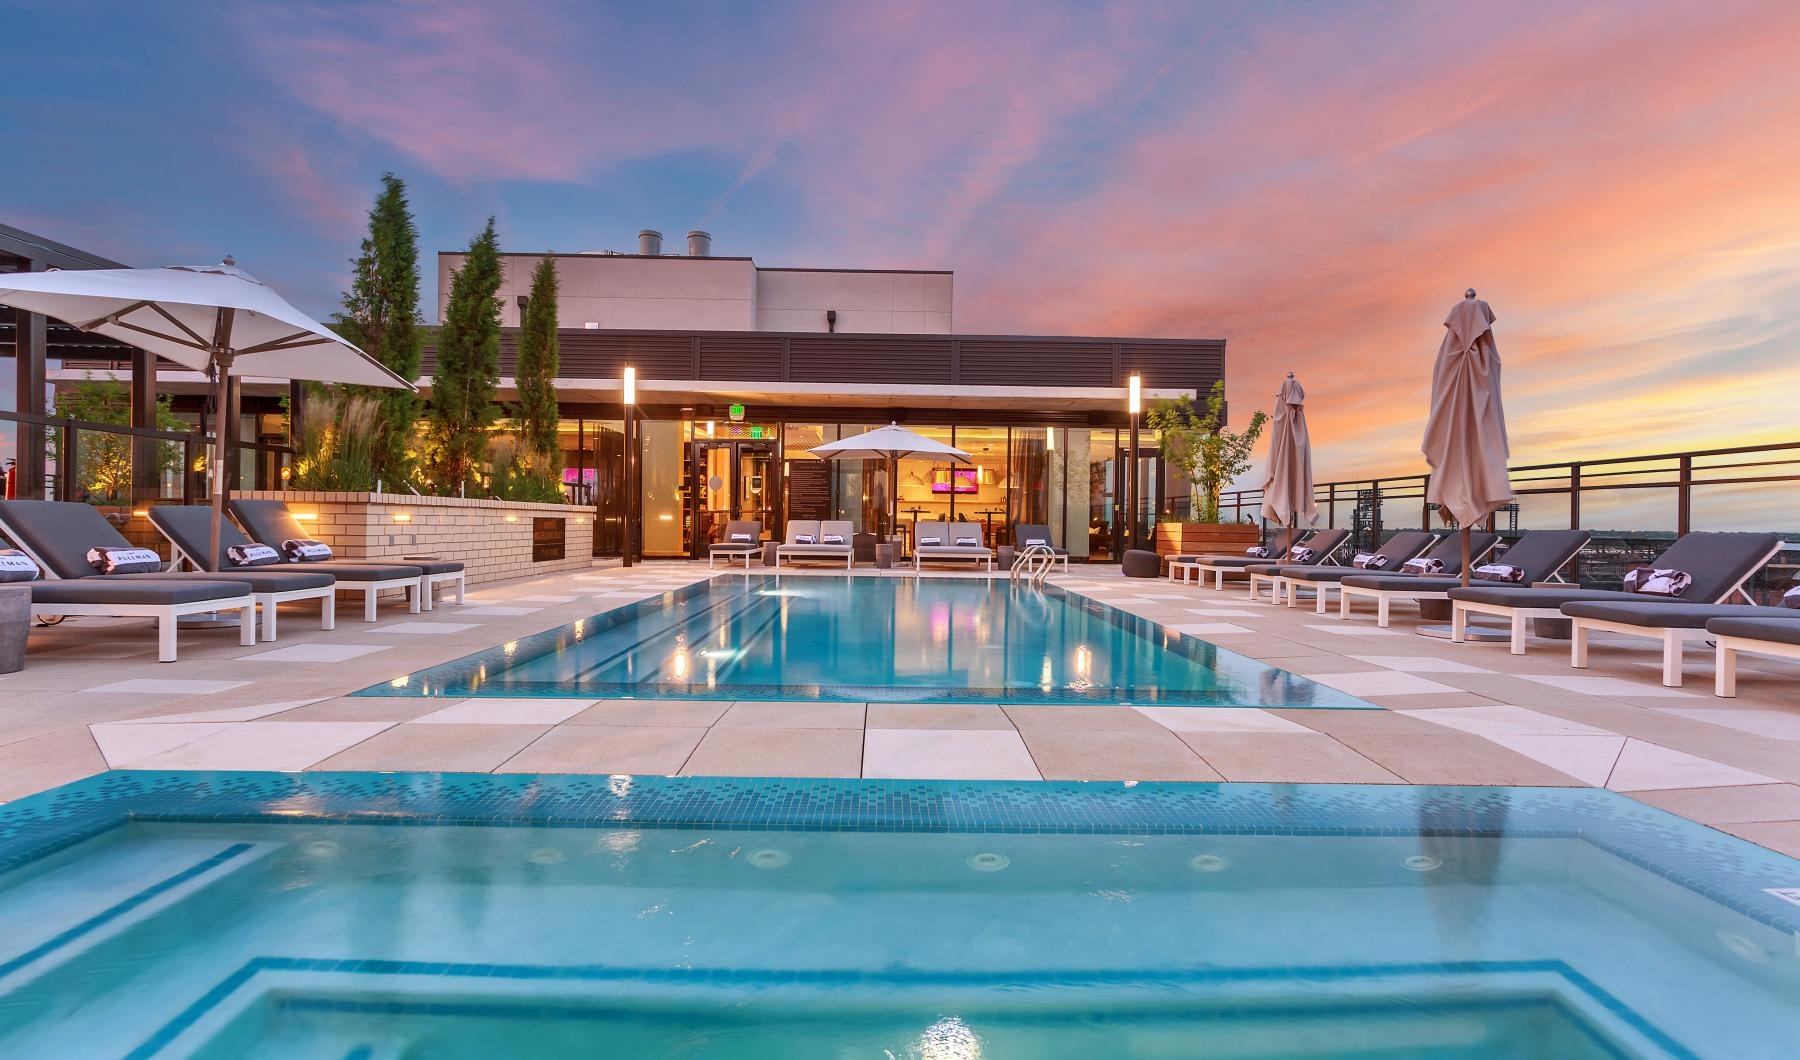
point(1634, 505)
point(64, 479)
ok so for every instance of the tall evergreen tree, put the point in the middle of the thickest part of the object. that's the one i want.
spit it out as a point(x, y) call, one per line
point(468, 368)
point(381, 314)
point(536, 372)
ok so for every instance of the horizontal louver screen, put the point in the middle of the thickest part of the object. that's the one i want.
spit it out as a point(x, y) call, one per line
point(740, 357)
point(1041, 362)
point(869, 359)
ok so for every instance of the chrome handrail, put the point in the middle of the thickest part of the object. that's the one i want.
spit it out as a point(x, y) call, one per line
point(1035, 562)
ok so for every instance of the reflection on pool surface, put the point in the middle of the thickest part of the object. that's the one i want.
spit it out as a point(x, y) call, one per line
point(871, 640)
point(293, 915)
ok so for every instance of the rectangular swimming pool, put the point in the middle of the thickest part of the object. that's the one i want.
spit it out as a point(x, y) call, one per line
point(930, 640)
point(400, 915)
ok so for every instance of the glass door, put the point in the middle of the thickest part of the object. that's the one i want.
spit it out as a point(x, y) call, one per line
point(729, 480)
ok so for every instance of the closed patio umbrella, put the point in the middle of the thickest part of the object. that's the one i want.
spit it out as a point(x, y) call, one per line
point(1288, 489)
point(890, 443)
point(1465, 436)
point(211, 318)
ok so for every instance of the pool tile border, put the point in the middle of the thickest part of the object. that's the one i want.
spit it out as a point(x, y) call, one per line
point(1730, 871)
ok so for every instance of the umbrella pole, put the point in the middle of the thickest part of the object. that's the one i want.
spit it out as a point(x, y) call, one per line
point(893, 533)
point(221, 392)
point(1465, 559)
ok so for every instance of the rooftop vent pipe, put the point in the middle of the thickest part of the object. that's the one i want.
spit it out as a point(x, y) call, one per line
point(699, 244)
point(650, 242)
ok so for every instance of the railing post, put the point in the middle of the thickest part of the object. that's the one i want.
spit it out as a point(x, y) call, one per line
point(1684, 497)
point(1425, 503)
point(1331, 506)
point(1574, 496)
point(67, 462)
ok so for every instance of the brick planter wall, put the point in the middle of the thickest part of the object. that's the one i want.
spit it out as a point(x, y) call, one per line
point(492, 539)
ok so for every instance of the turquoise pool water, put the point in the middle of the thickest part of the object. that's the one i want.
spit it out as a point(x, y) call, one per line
point(354, 915)
point(870, 640)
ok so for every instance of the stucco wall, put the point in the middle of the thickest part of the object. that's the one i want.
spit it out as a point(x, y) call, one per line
point(878, 302)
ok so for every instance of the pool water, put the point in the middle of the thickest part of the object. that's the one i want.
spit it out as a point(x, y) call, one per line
point(926, 640)
point(260, 915)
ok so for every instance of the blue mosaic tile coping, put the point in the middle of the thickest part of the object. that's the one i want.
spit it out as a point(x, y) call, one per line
point(1279, 687)
point(1730, 871)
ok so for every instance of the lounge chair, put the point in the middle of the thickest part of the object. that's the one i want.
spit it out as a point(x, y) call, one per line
point(1323, 580)
point(952, 538)
point(271, 523)
point(1541, 554)
point(743, 539)
point(1025, 534)
point(818, 548)
point(1219, 564)
point(1323, 544)
point(188, 529)
point(1762, 635)
point(57, 536)
point(1720, 564)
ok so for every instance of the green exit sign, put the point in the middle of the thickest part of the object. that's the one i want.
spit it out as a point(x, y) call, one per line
point(756, 430)
point(737, 411)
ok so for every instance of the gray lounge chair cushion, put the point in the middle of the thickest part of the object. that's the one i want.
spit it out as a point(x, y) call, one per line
point(733, 546)
point(1525, 596)
point(1541, 553)
point(1399, 548)
point(271, 523)
point(60, 533)
point(132, 589)
point(1404, 583)
point(365, 572)
point(1773, 629)
point(1672, 615)
point(1719, 562)
point(260, 579)
point(1449, 550)
point(749, 528)
point(1323, 544)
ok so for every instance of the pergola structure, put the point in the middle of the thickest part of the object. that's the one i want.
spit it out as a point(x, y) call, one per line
point(33, 340)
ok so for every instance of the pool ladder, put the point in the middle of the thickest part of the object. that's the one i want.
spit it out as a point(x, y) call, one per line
point(1034, 564)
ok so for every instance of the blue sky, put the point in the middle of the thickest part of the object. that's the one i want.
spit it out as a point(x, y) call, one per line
point(1314, 182)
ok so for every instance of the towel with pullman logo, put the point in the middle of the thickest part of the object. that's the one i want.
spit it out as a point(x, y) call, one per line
point(251, 554)
point(1657, 581)
point(1301, 554)
point(305, 550)
point(1500, 572)
point(1423, 565)
point(968, 542)
point(16, 566)
point(832, 539)
point(741, 539)
point(1791, 598)
point(124, 560)
point(1370, 560)
point(803, 539)
point(1258, 551)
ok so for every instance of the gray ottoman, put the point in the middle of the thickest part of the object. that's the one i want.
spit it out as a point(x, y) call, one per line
point(884, 556)
point(1138, 563)
point(15, 625)
point(768, 555)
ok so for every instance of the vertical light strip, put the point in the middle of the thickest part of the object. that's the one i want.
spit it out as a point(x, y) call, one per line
point(631, 385)
point(1136, 402)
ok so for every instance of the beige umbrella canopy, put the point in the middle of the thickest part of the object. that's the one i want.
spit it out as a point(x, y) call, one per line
point(1465, 436)
point(1288, 489)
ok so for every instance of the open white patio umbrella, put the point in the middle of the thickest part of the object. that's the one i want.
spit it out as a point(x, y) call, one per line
point(1465, 436)
point(212, 318)
point(1288, 489)
point(890, 443)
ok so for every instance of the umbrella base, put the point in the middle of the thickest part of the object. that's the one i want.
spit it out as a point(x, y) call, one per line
point(1480, 634)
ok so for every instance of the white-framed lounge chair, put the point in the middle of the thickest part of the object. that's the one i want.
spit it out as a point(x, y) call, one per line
point(953, 543)
point(811, 539)
point(1760, 635)
point(1219, 564)
point(270, 523)
point(743, 540)
point(188, 529)
point(1674, 621)
point(1320, 546)
point(1324, 577)
point(56, 535)
point(1719, 564)
point(1539, 554)
point(1027, 534)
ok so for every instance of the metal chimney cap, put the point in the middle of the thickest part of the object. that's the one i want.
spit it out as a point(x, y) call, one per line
point(702, 233)
point(649, 232)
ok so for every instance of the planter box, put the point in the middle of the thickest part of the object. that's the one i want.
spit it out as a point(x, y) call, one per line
point(1173, 539)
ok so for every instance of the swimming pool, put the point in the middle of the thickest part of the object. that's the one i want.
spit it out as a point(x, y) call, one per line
point(929, 640)
point(169, 914)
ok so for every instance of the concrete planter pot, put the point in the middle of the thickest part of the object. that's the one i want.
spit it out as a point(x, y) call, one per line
point(15, 625)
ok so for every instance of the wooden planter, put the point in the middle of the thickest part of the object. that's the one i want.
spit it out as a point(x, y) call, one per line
point(1188, 539)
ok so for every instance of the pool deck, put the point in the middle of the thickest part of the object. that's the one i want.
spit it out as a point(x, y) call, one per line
point(92, 697)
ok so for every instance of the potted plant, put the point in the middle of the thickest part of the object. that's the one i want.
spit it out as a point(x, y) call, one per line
point(1197, 446)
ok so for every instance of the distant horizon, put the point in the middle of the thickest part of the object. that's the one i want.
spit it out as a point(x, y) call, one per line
point(1314, 183)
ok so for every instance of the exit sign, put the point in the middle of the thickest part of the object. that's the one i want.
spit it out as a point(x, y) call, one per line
point(756, 430)
point(737, 412)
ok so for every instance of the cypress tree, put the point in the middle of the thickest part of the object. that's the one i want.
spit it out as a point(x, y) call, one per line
point(468, 368)
point(536, 372)
point(381, 315)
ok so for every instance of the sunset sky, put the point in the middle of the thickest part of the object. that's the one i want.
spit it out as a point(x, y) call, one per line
point(1314, 182)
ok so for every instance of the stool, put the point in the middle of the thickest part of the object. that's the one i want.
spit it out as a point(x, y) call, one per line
point(15, 626)
point(884, 556)
point(1139, 563)
point(768, 554)
point(1004, 555)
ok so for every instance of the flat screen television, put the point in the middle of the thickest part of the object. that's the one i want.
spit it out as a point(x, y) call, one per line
point(959, 480)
